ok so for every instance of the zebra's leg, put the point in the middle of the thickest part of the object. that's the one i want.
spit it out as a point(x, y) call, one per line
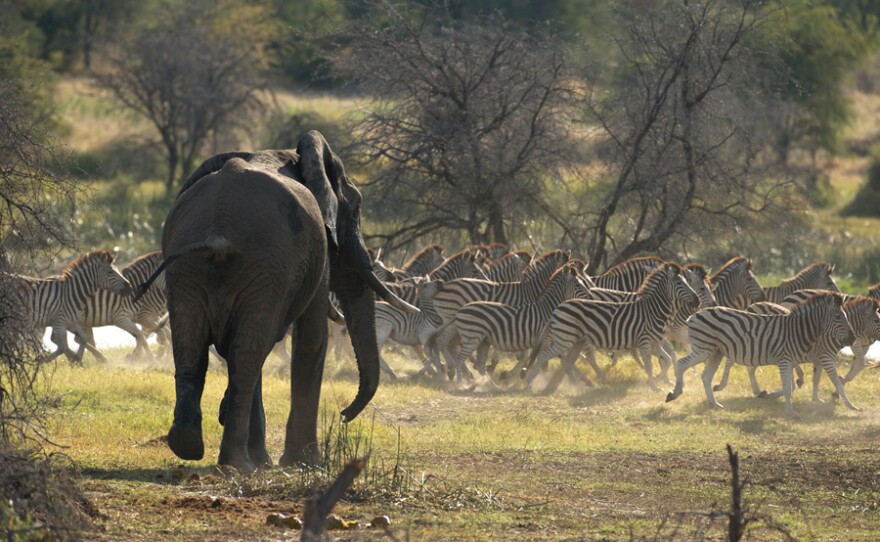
point(90, 344)
point(468, 345)
point(829, 364)
point(382, 334)
point(141, 342)
point(725, 375)
point(785, 374)
point(570, 365)
point(712, 364)
point(683, 364)
point(566, 368)
point(817, 376)
point(543, 357)
point(645, 351)
point(59, 337)
point(756, 388)
point(665, 363)
point(482, 355)
point(858, 363)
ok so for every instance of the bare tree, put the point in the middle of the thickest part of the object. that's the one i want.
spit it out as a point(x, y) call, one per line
point(194, 75)
point(35, 213)
point(679, 114)
point(468, 126)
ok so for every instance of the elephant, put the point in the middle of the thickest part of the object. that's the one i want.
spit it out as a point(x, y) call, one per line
point(254, 243)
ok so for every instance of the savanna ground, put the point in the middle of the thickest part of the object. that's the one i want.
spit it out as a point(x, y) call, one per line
point(611, 463)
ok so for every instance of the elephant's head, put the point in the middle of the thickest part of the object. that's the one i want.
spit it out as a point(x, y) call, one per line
point(351, 268)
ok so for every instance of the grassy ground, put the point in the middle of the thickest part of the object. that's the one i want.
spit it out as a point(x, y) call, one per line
point(613, 463)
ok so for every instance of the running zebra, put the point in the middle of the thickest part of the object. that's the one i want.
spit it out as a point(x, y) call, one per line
point(482, 324)
point(458, 293)
point(425, 261)
point(735, 286)
point(106, 308)
point(460, 265)
point(408, 329)
point(756, 339)
point(818, 276)
point(589, 325)
point(628, 276)
point(57, 301)
point(861, 312)
point(698, 279)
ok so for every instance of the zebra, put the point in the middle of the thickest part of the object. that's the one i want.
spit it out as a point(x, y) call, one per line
point(628, 276)
point(424, 261)
point(758, 339)
point(735, 286)
point(460, 265)
point(58, 300)
point(698, 279)
point(509, 268)
point(861, 312)
point(579, 324)
point(405, 328)
point(458, 293)
point(106, 308)
point(511, 329)
point(817, 276)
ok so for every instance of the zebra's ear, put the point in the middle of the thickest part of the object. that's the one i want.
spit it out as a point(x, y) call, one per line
point(713, 286)
point(831, 269)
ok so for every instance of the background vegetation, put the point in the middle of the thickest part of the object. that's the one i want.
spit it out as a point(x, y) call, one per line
point(695, 130)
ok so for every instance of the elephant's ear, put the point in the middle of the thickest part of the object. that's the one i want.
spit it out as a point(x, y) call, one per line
point(212, 164)
point(322, 173)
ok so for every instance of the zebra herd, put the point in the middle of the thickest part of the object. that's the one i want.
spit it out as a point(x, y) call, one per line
point(91, 292)
point(487, 299)
point(551, 308)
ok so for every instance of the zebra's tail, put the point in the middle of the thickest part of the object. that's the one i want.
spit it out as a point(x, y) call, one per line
point(216, 245)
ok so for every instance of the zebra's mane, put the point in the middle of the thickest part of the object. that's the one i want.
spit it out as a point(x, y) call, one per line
point(633, 262)
point(699, 269)
point(654, 276)
point(507, 257)
point(542, 258)
point(524, 255)
point(807, 304)
point(731, 266)
point(827, 267)
point(421, 254)
point(147, 256)
point(105, 255)
point(874, 291)
point(862, 300)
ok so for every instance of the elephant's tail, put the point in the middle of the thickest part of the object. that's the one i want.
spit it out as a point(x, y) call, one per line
point(218, 246)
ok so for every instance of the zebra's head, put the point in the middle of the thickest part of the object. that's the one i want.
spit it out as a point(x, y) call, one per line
point(428, 288)
point(734, 285)
point(826, 277)
point(864, 317)
point(698, 279)
point(106, 275)
point(682, 293)
point(838, 327)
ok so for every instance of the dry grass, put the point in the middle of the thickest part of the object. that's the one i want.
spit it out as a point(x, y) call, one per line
point(606, 463)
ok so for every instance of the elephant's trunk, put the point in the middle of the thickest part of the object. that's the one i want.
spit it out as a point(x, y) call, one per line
point(359, 313)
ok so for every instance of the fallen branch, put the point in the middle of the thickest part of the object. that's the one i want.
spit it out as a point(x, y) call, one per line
point(317, 510)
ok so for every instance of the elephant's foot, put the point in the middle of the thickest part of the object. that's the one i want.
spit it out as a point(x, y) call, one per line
point(239, 460)
point(300, 455)
point(186, 442)
point(259, 456)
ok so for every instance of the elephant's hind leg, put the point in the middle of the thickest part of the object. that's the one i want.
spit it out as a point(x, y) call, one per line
point(190, 349)
point(244, 427)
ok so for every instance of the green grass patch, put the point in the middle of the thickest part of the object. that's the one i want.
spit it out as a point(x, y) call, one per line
point(609, 462)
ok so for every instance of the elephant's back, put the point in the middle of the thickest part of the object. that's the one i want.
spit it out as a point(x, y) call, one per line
point(248, 206)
